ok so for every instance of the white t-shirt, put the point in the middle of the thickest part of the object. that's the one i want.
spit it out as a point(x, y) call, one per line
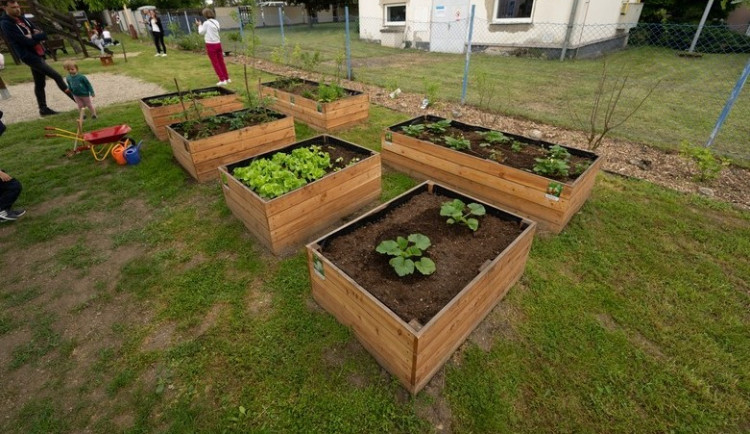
point(106, 34)
point(210, 29)
point(154, 26)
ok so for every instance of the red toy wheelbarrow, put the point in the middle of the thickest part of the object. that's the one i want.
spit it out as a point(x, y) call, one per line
point(106, 136)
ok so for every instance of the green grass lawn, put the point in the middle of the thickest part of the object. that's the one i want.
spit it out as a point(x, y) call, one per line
point(132, 300)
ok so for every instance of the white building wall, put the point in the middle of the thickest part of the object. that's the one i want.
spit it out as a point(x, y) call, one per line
point(595, 20)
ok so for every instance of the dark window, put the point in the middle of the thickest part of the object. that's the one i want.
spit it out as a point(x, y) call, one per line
point(514, 9)
point(395, 14)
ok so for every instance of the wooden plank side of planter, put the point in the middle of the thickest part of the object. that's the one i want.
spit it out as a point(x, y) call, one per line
point(332, 115)
point(237, 150)
point(515, 177)
point(254, 222)
point(497, 191)
point(212, 147)
point(204, 156)
point(310, 224)
point(293, 218)
point(380, 331)
point(158, 118)
point(348, 115)
point(452, 325)
point(297, 197)
point(583, 188)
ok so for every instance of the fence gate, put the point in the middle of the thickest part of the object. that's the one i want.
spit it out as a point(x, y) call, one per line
point(448, 25)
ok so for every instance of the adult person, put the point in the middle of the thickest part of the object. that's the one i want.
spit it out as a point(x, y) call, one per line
point(210, 30)
point(25, 39)
point(157, 31)
point(10, 188)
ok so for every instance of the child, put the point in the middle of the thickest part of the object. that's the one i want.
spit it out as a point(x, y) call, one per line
point(80, 86)
point(10, 188)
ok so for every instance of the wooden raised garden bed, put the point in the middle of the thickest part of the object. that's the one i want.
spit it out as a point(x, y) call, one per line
point(201, 157)
point(499, 173)
point(412, 324)
point(162, 110)
point(286, 222)
point(299, 98)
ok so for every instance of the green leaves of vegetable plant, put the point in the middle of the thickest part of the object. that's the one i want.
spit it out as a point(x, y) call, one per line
point(282, 172)
point(403, 250)
point(459, 212)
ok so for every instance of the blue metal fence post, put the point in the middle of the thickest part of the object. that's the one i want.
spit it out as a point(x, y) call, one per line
point(468, 55)
point(239, 17)
point(348, 46)
point(281, 24)
point(188, 23)
point(730, 102)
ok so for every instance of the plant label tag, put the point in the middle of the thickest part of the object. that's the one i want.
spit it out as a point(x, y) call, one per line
point(554, 190)
point(318, 267)
point(388, 138)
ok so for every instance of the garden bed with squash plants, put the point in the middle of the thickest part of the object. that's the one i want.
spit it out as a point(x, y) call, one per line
point(202, 145)
point(415, 276)
point(543, 181)
point(162, 110)
point(286, 197)
point(325, 107)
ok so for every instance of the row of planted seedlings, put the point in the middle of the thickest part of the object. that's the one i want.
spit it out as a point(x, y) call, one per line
point(414, 276)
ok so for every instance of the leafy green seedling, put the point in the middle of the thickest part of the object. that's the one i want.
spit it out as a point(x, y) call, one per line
point(457, 143)
point(403, 250)
point(494, 137)
point(551, 167)
point(516, 146)
point(459, 212)
point(558, 153)
point(708, 164)
point(413, 130)
point(438, 127)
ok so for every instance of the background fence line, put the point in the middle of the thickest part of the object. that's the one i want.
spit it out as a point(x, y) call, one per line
point(519, 73)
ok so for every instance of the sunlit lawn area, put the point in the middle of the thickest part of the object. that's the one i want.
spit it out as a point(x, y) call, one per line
point(132, 300)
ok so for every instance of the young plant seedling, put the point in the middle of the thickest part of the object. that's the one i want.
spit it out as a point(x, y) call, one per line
point(438, 127)
point(493, 137)
point(407, 254)
point(516, 146)
point(459, 212)
point(457, 143)
point(413, 130)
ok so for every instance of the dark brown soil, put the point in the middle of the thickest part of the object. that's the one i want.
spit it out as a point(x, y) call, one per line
point(518, 152)
point(458, 254)
point(174, 98)
point(304, 88)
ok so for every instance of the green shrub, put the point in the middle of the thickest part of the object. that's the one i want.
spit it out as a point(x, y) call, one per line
point(708, 164)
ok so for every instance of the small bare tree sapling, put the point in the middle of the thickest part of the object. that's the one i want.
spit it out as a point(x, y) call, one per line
point(606, 100)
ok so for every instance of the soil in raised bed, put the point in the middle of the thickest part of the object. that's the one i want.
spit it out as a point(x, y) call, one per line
point(458, 254)
point(523, 159)
point(303, 88)
point(187, 97)
point(219, 124)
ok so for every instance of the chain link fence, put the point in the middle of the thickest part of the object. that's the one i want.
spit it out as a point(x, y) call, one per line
point(517, 70)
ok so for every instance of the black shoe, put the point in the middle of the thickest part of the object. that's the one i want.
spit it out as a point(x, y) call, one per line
point(47, 112)
point(9, 215)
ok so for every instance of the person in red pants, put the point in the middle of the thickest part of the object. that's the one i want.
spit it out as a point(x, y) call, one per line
point(210, 30)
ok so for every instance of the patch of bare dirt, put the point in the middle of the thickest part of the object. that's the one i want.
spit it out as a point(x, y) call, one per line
point(438, 413)
point(621, 157)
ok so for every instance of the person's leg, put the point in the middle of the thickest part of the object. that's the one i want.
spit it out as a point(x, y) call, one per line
point(40, 81)
point(214, 51)
point(86, 101)
point(9, 192)
point(156, 41)
point(39, 65)
point(222, 71)
point(161, 41)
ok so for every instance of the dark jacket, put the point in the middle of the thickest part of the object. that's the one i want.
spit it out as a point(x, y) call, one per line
point(16, 36)
point(158, 24)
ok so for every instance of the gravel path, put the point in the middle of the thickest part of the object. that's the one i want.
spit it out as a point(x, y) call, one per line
point(109, 88)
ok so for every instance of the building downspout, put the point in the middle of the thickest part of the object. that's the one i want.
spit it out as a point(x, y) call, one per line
point(569, 31)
